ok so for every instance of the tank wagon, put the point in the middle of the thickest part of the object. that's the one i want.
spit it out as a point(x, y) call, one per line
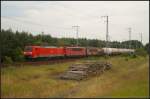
point(114, 51)
point(52, 51)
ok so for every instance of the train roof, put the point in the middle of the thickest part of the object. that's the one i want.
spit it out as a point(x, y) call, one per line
point(43, 46)
point(76, 47)
point(49, 46)
point(32, 46)
point(118, 48)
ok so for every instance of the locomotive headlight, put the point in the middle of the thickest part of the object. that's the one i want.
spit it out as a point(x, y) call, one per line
point(27, 53)
point(24, 53)
point(30, 52)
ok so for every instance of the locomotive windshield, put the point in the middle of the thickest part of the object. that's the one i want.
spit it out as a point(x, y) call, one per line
point(28, 49)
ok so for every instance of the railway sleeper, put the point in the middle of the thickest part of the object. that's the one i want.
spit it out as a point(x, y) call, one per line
point(84, 70)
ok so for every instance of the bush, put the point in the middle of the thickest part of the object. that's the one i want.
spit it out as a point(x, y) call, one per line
point(8, 60)
point(126, 58)
point(106, 56)
point(18, 54)
point(125, 54)
point(146, 47)
point(132, 55)
point(141, 52)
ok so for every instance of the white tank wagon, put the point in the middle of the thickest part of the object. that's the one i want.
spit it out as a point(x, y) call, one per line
point(127, 50)
point(117, 51)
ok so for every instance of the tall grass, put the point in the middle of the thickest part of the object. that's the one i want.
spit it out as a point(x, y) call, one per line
point(127, 78)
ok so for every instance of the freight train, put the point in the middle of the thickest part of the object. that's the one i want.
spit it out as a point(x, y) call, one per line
point(52, 51)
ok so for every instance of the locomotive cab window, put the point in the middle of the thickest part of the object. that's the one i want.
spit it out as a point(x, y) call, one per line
point(28, 49)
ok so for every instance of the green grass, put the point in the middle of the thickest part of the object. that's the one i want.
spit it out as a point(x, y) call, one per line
point(127, 78)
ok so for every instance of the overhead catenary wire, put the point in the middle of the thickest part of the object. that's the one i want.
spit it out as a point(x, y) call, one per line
point(34, 24)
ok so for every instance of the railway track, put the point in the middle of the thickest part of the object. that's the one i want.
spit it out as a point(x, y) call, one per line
point(37, 63)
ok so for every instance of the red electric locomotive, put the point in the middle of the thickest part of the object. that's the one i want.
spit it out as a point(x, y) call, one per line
point(43, 51)
point(75, 51)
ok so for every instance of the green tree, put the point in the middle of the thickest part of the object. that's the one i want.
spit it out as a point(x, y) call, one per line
point(146, 47)
point(17, 54)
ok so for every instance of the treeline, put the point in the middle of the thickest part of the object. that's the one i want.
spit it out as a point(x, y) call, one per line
point(12, 43)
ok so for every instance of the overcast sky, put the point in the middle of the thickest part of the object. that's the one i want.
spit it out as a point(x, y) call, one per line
point(57, 18)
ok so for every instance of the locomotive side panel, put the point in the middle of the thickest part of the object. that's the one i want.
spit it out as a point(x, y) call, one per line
point(38, 51)
point(50, 52)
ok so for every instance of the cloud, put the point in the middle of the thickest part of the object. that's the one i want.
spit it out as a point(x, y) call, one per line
point(57, 18)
